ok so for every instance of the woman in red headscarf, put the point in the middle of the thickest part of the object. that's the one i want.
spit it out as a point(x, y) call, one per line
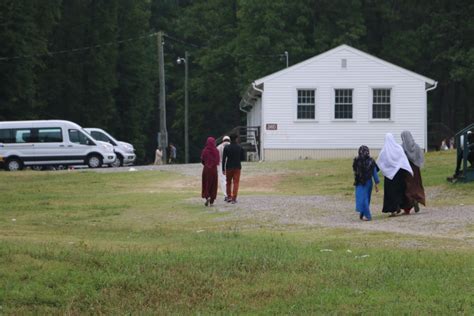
point(210, 160)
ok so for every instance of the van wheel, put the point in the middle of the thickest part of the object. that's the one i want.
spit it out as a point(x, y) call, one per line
point(118, 162)
point(94, 161)
point(13, 164)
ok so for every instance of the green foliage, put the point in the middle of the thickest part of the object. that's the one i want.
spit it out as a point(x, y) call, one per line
point(113, 82)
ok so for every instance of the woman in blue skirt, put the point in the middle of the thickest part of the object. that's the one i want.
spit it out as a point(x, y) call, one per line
point(365, 169)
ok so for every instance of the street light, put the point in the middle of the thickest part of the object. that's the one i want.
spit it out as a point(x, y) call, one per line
point(185, 60)
point(285, 54)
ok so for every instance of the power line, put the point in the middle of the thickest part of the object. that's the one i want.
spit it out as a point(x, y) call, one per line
point(79, 49)
point(181, 41)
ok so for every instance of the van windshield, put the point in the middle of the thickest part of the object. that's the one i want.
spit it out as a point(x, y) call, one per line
point(102, 137)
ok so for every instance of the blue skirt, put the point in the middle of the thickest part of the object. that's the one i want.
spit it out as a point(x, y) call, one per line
point(363, 194)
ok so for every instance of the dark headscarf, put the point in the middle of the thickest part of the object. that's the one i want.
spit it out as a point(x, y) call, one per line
point(363, 166)
point(210, 154)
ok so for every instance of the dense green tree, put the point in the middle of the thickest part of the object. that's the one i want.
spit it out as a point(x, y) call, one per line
point(24, 29)
point(91, 61)
point(211, 26)
point(135, 95)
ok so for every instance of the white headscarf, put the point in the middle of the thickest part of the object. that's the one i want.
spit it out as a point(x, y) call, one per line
point(412, 150)
point(392, 158)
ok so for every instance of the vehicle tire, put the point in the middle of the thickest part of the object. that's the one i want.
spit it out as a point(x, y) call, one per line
point(118, 162)
point(13, 164)
point(94, 161)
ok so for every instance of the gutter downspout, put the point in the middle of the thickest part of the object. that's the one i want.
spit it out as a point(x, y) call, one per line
point(426, 114)
point(262, 138)
point(254, 86)
point(432, 87)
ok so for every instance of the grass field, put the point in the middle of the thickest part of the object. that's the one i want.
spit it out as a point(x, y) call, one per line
point(136, 242)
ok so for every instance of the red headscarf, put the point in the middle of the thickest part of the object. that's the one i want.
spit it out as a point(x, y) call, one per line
point(210, 154)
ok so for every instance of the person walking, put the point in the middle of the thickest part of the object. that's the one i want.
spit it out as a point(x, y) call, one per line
point(172, 154)
point(158, 156)
point(393, 163)
point(210, 161)
point(414, 191)
point(231, 167)
point(222, 178)
point(365, 169)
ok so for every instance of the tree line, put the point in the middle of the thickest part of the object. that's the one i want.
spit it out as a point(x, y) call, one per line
point(94, 62)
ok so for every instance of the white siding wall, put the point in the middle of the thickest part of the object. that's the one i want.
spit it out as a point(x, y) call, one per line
point(408, 105)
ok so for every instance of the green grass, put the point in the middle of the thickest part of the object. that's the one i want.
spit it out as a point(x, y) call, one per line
point(84, 243)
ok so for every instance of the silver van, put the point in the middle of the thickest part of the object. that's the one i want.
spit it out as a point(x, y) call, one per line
point(50, 143)
point(124, 151)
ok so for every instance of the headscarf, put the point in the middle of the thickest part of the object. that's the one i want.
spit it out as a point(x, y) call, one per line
point(210, 155)
point(392, 158)
point(412, 150)
point(363, 166)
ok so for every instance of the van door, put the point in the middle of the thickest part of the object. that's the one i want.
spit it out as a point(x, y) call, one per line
point(79, 145)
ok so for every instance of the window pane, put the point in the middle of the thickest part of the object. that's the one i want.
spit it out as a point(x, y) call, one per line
point(100, 136)
point(77, 137)
point(50, 135)
point(381, 104)
point(343, 104)
point(306, 104)
point(6, 136)
point(22, 136)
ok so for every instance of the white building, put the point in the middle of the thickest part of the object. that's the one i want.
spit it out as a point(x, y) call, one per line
point(329, 105)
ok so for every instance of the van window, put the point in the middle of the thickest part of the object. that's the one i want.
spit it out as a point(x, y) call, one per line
point(18, 136)
point(6, 136)
point(78, 137)
point(22, 135)
point(50, 135)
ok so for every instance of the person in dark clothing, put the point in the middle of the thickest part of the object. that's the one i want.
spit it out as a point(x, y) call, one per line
point(394, 165)
point(414, 191)
point(210, 160)
point(231, 167)
point(460, 156)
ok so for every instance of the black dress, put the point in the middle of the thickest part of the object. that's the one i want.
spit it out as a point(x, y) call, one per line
point(394, 192)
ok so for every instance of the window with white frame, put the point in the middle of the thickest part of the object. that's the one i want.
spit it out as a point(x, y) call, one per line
point(343, 103)
point(306, 105)
point(381, 103)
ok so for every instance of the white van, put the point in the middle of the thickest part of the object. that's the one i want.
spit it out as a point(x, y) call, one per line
point(50, 142)
point(124, 151)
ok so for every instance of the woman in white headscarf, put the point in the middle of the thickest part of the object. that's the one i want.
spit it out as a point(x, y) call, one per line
point(394, 165)
point(414, 192)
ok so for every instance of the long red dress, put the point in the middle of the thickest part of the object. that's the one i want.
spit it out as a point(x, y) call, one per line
point(210, 161)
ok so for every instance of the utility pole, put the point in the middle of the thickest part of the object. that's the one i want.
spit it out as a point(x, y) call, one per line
point(163, 135)
point(186, 108)
point(185, 60)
